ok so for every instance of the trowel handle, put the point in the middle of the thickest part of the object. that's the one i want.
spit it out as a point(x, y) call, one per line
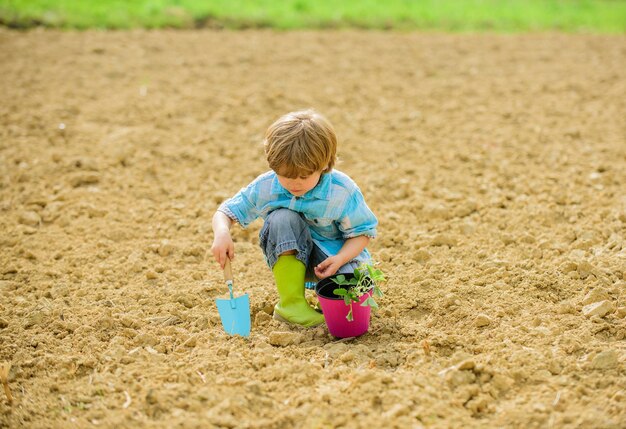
point(228, 274)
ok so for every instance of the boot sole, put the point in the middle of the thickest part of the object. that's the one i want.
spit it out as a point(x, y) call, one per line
point(282, 319)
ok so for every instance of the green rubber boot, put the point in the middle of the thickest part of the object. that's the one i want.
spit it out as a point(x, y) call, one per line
point(293, 307)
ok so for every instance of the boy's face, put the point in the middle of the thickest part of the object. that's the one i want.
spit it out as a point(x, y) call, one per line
point(300, 185)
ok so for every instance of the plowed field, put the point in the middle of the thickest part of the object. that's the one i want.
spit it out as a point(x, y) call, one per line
point(496, 165)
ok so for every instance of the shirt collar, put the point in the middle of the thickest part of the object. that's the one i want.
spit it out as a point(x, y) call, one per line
point(320, 192)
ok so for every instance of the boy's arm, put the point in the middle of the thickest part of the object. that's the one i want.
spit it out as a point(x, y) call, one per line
point(240, 208)
point(222, 241)
point(357, 225)
point(351, 248)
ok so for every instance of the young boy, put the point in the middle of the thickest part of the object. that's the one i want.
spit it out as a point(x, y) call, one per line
point(316, 220)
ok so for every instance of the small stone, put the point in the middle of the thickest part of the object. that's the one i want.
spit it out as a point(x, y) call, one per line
point(166, 248)
point(153, 398)
point(385, 255)
point(421, 255)
point(565, 307)
point(468, 228)
point(466, 364)
point(60, 291)
point(398, 410)
point(129, 322)
point(585, 269)
point(194, 251)
point(182, 223)
point(151, 275)
point(507, 239)
point(621, 312)
point(146, 340)
point(466, 208)
point(555, 367)
point(3, 323)
point(136, 267)
point(28, 254)
point(502, 383)
point(10, 269)
point(191, 342)
point(186, 301)
point(595, 295)
point(283, 339)
point(444, 240)
point(599, 309)
point(479, 404)
point(84, 178)
point(348, 356)
point(455, 377)
point(336, 349)
point(459, 356)
point(51, 212)
point(95, 211)
point(541, 375)
point(567, 267)
point(34, 319)
point(105, 322)
point(117, 234)
point(482, 320)
point(605, 360)
point(436, 210)
point(30, 218)
point(261, 318)
point(450, 300)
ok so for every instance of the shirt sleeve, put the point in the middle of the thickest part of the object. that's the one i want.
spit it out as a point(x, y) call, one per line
point(241, 207)
point(357, 218)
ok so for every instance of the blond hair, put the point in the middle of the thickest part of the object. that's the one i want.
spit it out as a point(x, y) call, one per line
point(301, 143)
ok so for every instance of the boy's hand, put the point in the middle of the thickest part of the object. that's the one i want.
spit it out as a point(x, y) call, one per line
point(223, 246)
point(328, 266)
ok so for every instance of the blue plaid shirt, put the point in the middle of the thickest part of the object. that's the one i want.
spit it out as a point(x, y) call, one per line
point(335, 209)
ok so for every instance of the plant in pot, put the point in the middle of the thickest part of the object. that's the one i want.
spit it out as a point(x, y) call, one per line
point(347, 300)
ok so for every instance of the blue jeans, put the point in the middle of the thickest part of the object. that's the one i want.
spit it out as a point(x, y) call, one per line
point(285, 230)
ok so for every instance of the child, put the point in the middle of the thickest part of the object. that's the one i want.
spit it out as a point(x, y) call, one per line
point(316, 220)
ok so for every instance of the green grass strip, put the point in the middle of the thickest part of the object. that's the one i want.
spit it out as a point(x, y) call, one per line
point(605, 16)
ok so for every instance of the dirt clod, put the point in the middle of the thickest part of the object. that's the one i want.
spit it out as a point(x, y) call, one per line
point(599, 309)
point(283, 339)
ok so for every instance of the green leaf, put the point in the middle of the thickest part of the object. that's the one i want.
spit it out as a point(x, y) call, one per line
point(378, 292)
point(369, 302)
point(340, 292)
point(347, 299)
point(357, 274)
point(340, 279)
point(349, 317)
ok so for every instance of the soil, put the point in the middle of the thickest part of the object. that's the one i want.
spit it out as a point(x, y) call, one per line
point(495, 163)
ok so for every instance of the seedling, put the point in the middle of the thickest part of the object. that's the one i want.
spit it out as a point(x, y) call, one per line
point(366, 277)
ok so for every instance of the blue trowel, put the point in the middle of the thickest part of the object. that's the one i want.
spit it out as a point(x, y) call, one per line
point(234, 312)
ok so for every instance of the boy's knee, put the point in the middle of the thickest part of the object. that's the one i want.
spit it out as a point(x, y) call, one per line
point(283, 225)
point(282, 219)
point(284, 216)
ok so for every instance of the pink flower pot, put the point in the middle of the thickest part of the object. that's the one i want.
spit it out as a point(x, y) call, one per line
point(335, 310)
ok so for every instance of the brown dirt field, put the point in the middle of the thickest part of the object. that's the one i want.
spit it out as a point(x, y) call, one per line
point(496, 165)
